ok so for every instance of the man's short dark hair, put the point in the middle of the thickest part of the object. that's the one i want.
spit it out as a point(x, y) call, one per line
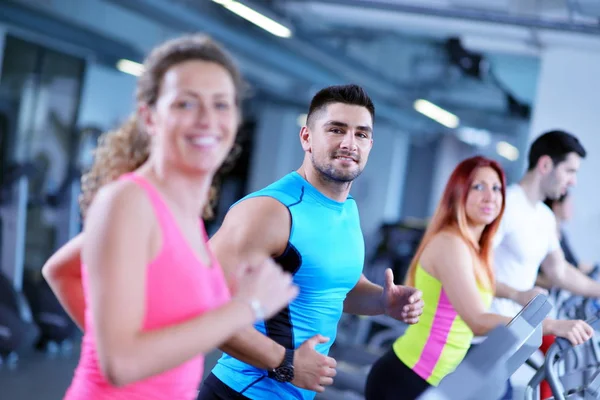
point(346, 94)
point(555, 144)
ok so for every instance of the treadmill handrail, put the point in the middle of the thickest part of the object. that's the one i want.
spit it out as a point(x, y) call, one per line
point(492, 362)
point(534, 312)
point(553, 356)
point(476, 362)
point(552, 377)
point(592, 391)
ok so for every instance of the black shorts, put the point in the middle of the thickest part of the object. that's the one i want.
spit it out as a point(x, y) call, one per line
point(213, 389)
point(391, 379)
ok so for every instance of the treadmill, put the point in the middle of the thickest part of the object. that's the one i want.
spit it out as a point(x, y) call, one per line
point(578, 379)
point(484, 371)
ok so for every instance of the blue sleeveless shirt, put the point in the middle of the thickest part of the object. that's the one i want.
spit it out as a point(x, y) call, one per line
point(325, 253)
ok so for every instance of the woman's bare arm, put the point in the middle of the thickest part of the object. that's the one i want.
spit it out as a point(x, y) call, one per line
point(452, 263)
point(116, 252)
point(62, 271)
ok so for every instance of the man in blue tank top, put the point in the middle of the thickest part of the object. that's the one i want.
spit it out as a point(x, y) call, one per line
point(309, 224)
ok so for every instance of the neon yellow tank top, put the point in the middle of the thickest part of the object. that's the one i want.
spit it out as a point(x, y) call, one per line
point(435, 346)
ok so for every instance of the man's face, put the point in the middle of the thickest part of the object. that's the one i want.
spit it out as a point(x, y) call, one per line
point(339, 139)
point(562, 176)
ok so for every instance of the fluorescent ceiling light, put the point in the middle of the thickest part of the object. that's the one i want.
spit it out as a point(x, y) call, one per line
point(256, 18)
point(301, 120)
point(507, 151)
point(436, 113)
point(130, 67)
point(474, 137)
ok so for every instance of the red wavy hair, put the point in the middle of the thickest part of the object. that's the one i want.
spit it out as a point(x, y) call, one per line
point(451, 215)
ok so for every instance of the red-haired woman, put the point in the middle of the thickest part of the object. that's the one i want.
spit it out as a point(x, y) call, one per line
point(453, 269)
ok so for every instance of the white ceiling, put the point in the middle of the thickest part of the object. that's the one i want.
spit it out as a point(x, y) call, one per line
point(397, 48)
point(511, 34)
point(428, 18)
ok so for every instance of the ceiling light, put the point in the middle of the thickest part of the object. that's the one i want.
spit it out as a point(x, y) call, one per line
point(436, 113)
point(130, 67)
point(507, 151)
point(301, 120)
point(256, 18)
point(474, 137)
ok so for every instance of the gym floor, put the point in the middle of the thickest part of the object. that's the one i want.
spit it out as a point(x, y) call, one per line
point(40, 376)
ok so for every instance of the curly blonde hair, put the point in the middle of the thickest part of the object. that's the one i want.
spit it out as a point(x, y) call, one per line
point(126, 148)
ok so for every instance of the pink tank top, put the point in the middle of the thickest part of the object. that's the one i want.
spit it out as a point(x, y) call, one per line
point(178, 287)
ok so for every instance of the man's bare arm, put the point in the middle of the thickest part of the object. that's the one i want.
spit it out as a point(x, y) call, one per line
point(253, 230)
point(365, 299)
point(238, 241)
point(566, 276)
point(504, 291)
point(542, 280)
